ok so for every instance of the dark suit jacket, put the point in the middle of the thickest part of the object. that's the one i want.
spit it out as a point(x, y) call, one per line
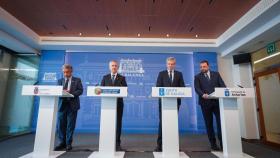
point(164, 81)
point(76, 89)
point(119, 82)
point(202, 85)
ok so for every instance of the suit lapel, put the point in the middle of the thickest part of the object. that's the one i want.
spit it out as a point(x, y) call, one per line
point(72, 83)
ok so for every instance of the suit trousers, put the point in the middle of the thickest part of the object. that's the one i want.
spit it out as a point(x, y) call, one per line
point(119, 124)
point(66, 123)
point(208, 110)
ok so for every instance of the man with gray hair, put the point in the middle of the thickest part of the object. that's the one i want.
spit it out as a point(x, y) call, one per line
point(115, 79)
point(68, 108)
point(168, 78)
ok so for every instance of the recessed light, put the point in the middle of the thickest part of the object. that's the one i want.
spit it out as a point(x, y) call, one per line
point(196, 36)
point(167, 35)
point(138, 35)
point(80, 34)
point(109, 34)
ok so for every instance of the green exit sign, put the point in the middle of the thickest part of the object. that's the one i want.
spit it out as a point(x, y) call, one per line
point(270, 48)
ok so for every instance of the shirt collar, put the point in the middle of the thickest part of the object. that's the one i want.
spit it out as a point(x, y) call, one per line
point(172, 71)
point(114, 74)
point(70, 78)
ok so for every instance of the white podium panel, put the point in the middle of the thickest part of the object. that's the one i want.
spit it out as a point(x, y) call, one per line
point(46, 123)
point(108, 117)
point(170, 130)
point(230, 124)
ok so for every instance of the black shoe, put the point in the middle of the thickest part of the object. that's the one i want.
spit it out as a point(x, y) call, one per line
point(221, 146)
point(68, 147)
point(60, 147)
point(119, 148)
point(214, 147)
point(158, 149)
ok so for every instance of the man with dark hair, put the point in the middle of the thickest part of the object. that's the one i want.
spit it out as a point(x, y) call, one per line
point(168, 78)
point(68, 108)
point(115, 79)
point(205, 83)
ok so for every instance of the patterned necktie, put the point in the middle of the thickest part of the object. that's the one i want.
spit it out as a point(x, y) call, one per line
point(113, 79)
point(206, 75)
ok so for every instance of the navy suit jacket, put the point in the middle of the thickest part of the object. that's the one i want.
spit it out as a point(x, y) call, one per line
point(203, 86)
point(164, 81)
point(76, 89)
point(119, 82)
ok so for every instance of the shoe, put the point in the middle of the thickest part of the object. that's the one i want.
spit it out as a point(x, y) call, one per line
point(60, 147)
point(214, 147)
point(221, 146)
point(68, 147)
point(158, 149)
point(119, 148)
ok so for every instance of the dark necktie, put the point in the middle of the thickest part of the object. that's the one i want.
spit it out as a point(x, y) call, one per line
point(170, 76)
point(65, 87)
point(206, 75)
point(113, 79)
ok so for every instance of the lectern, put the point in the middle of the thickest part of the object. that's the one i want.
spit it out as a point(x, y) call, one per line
point(108, 117)
point(170, 131)
point(230, 124)
point(46, 123)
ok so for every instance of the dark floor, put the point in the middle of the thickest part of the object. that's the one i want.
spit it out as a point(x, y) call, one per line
point(137, 146)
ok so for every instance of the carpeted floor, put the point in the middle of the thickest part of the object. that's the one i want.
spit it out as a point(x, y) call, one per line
point(136, 145)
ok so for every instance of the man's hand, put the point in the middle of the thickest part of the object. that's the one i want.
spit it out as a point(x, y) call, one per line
point(67, 91)
point(205, 96)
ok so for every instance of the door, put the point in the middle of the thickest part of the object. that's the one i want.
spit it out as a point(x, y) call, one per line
point(268, 95)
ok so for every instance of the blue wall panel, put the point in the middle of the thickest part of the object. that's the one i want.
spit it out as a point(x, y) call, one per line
point(141, 70)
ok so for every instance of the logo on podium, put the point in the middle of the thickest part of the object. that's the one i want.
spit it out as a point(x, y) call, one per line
point(161, 92)
point(36, 90)
point(97, 91)
point(227, 92)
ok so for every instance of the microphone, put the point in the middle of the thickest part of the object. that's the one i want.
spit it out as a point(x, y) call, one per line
point(240, 86)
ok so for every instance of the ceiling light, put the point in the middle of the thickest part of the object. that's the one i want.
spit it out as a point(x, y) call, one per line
point(196, 36)
point(80, 34)
point(167, 35)
point(138, 35)
point(265, 58)
point(109, 34)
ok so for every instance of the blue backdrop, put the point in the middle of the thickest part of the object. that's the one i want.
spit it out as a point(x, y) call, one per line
point(141, 70)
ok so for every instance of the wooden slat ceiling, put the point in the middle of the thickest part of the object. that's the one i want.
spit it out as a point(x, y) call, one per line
point(128, 18)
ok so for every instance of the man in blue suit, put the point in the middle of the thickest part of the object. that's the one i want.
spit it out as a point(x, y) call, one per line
point(68, 108)
point(168, 78)
point(205, 83)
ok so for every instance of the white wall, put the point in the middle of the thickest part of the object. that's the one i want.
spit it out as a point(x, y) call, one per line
point(241, 74)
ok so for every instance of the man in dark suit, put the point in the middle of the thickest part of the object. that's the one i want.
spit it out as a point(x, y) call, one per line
point(68, 108)
point(205, 83)
point(168, 78)
point(115, 79)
